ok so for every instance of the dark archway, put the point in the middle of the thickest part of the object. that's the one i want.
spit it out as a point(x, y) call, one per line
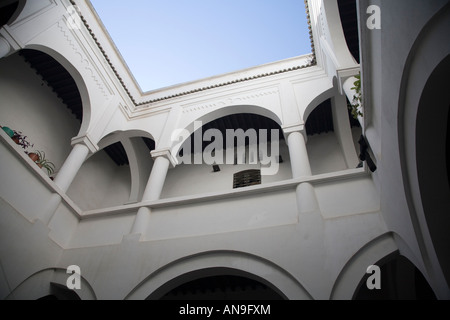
point(8, 11)
point(57, 77)
point(217, 284)
point(116, 174)
point(432, 157)
point(209, 153)
point(60, 292)
point(349, 20)
point(400, 280)
point(235, 121)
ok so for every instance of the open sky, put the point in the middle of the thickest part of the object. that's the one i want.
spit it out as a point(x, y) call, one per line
point(167, 42)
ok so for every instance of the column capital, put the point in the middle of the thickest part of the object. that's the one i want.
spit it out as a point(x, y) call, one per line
point(166, 153)
point(300, 128)
point(87, 141)
point(344, 74)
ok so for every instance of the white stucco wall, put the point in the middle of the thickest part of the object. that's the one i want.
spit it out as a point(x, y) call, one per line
point(325, 154)
point(387, 59)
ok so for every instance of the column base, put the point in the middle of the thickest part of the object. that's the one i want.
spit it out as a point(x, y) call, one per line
point(306, 198)
point(141, 222)
point(50, 208)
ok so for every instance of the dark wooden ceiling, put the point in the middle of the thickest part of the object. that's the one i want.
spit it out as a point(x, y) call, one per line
point(57, 77)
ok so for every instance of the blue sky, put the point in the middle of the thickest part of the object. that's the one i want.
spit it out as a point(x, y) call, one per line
point(166, 42)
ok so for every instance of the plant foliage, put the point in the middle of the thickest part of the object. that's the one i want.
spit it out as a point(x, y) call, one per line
point(44, 163)
point(355, 106)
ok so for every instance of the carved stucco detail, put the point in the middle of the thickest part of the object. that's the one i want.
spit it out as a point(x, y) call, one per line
point(82, 57)
point(231, 101)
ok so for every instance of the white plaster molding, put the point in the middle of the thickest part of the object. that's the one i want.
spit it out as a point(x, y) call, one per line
point(166, 153)
point(15, 43)
point(83, 57)
point(87, 141)
point(33, 9)
point(344, 74)
point(231, 100)
point(295, 128)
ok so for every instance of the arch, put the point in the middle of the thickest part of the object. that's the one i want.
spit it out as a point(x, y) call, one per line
point(343, 57)
point(232, 261)
point(79, 81)
point(396, 278)
point(235, 139)
point(39, 285)
point(123, 181)
point(354, 270)
point(189, 128)
point(33, 106)
point(118, 135)
point(421, 139)
point(319, 99)
point(432, 161)
point(20, 7)
point(348, 11)
point(10, 10)
point(138, 157)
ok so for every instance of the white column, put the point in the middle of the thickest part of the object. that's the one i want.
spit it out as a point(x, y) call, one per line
point(157, 178)
point(5, 47)
point(142, 220)
point(299, 156)
point(306, 198)
point(71, 166)
point(306, 195)
point(49, 209)
point(153, 190)
point(81, 148)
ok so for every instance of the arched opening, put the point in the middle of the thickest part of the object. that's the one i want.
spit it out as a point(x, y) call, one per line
point(60, 292)
point(448, 148)
point(432, 158)
point(325, 140)
point(217, 284)
point(398, 279)
point(349, 20)
point(41, 101)
point(211, 155)
point(50, 284)
point(117, 174)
